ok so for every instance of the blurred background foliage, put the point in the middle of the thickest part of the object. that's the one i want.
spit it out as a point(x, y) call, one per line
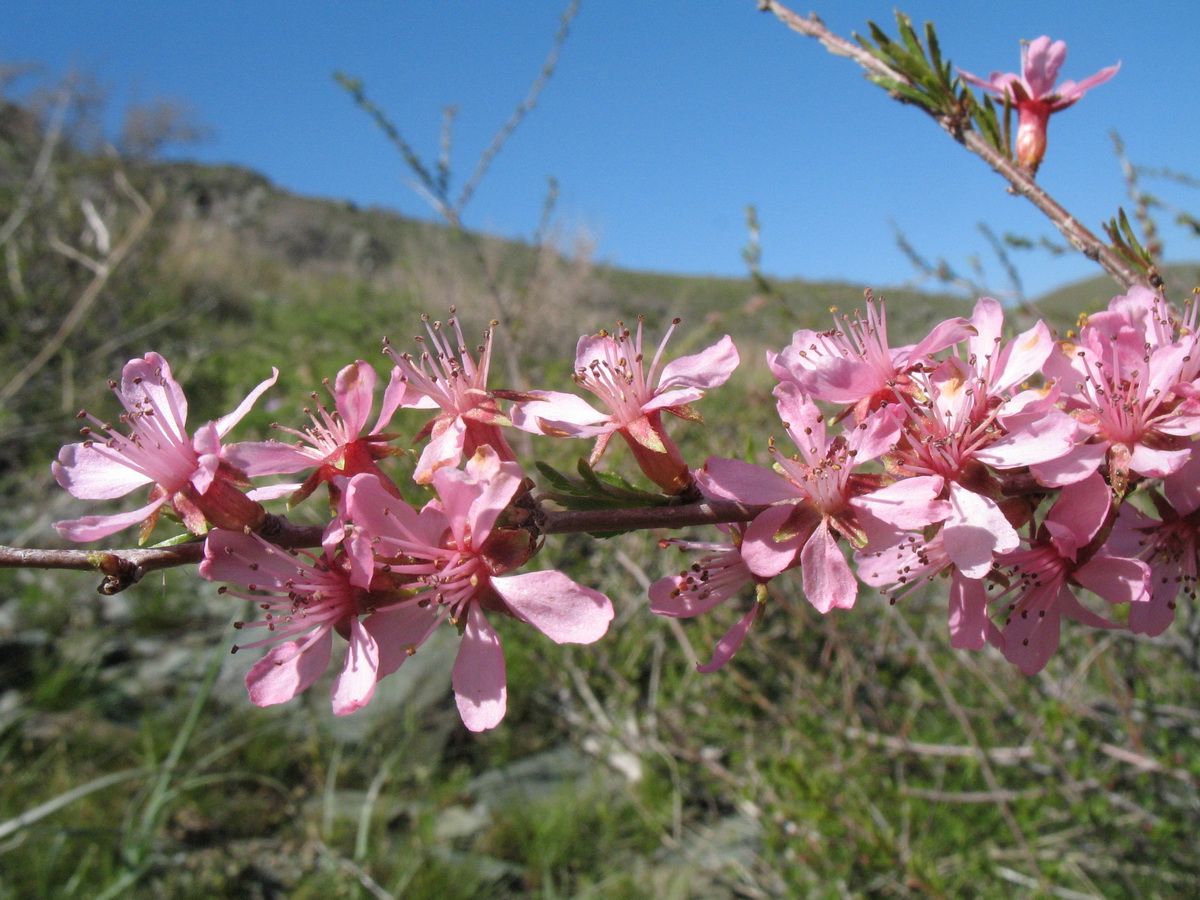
point(851, 755)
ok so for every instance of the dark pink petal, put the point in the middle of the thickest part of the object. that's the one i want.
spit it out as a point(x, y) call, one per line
point(1182, 487)
point(945, 333)
point(478, 677)
point(1079, 511)
point(1116, 579)
point(828, 581)
point(354, 686)
point(289, 669)
point(393, 399)
point(731, 641)
point(563, 610)
point(354, 395)
point(89, 472)
point(400, 631)
point(763, 555)
point(707, 369)
point(969, 622)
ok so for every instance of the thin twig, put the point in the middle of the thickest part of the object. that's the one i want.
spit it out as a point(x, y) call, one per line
point(1021, 181)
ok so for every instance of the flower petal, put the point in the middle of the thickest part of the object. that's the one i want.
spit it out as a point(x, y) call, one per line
point(288, 669)
point(563, 610)
point(478, 677)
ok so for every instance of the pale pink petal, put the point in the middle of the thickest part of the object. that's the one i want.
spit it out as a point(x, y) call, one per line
point(731, 641)
point(478, 677)
point(476, 495)
point(906, 504)
point(733, 479)
point(89, 472)
point(1083, 460)
point(226, 422)
point(877, 434)
point(975, 531)
point(1069, 91)
point(563, 610)
point(381, 515)
point(444, 448)
point(257, 458)
point(707, 369)
point(1155, 463)
point(148, 381)
point(92, 528)
point(828, 581)
point(839, 380)
point(352, 689)
point(667, 399)
point(1154, 616)
point(274, 491)
point(558, 414)
point(289, 669)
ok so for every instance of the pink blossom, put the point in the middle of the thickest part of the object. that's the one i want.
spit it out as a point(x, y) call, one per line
point(612, 367)
point(306, 599)
point(455, 555)
point(1035, 95)
point(1058, 560)
point(190, 472)
point(818, 495)
point(853, 364)
point(1169, 545)
point(446, 377)
point(1126, 385)
point(962, 421)
point(712, 579)
point(335, 444)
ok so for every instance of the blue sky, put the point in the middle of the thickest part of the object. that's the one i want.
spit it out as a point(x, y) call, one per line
point(664, 120)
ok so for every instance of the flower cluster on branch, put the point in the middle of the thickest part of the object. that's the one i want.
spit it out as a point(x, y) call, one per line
point(1027, 472)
